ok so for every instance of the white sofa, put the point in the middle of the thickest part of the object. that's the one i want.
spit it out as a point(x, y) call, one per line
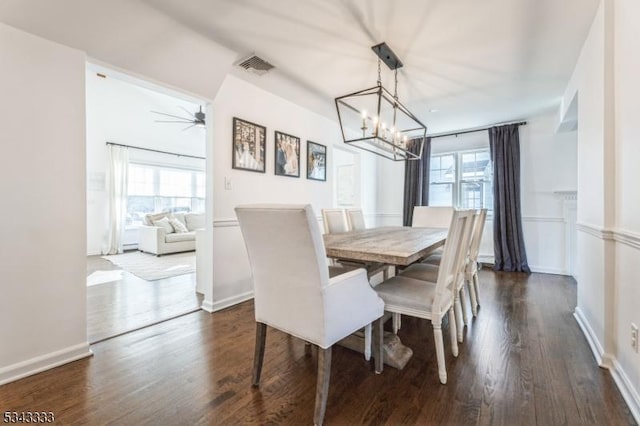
point(158, 238)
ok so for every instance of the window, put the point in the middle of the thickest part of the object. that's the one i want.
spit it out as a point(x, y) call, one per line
point(462, 179)
point(163, 189)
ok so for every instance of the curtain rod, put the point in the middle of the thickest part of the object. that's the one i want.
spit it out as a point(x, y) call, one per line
point(482, 129)
point(155, 150)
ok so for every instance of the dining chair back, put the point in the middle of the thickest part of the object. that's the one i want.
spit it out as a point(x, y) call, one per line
point(334, 221)
point(293, 291)
point(355, 220)
point(431, 216)
point(471, 268)
point(428, 269)
point(433, 299)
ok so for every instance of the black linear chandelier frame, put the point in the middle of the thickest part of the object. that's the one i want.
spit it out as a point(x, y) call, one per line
point(373, 135)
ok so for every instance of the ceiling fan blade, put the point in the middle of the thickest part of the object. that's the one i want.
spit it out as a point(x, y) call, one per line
point(171, 115)
point(187, 111)
point(188, 127)
point(167, 121)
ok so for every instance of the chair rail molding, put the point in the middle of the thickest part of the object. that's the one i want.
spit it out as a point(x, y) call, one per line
point(622, 236)
point(627, 238)
point(543, 219)
point(225, 223)
point(594, 230)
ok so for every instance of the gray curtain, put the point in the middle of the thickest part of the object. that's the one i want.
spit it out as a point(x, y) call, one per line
point(508, 241)
point(416, 180)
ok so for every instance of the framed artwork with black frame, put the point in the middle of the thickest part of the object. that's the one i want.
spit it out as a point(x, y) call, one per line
point(287, 155)
point(249, 146)
point(316, 161)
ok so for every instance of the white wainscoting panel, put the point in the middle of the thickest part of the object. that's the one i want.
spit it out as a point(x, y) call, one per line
point(545, 241)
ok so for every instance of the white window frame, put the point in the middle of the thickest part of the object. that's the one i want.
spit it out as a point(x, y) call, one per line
point(456, 185)
point(156, 184)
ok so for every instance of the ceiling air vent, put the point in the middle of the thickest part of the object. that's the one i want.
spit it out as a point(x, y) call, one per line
point(255, 65)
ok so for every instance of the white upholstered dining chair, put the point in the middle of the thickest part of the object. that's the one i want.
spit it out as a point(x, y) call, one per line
point(428, 271)
point(293, 292)
point(471, 267)
point(355, 220)
point(431, 216)
point(334, 221)
point(432, 300)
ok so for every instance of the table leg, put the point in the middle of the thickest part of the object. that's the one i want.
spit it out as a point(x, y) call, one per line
point(395, 354)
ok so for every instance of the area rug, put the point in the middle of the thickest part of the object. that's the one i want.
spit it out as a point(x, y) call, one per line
point(150, 267)
point(103, 277)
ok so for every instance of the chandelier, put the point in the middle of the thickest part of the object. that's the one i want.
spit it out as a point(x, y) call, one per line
point(374, 119)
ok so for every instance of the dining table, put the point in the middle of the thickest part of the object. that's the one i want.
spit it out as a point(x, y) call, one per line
point(391, 245)
point(396, 246)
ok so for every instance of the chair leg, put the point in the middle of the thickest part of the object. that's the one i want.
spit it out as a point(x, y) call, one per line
point(378, 341)
point(367, 342)
point(464, 303)
point(322, 386)
point(472, 296)
point(258, 357)
point(476, 285)
point(397, 322)
point(452, 332)
point(457, 309)
point(442, 368)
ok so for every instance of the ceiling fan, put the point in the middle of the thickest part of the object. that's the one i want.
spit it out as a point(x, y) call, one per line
point(197, 119)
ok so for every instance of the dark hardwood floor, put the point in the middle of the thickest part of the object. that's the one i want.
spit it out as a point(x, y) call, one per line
point(117, 307)
point(524, 362)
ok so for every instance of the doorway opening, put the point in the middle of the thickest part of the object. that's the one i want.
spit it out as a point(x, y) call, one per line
point(146, 198)
point(346, 169)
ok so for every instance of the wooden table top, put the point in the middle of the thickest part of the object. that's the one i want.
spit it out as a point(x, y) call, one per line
point(392, 245)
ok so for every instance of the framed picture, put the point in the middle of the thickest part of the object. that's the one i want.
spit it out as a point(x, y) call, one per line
point(249, 146)
point(287, 155)
point(316, 161)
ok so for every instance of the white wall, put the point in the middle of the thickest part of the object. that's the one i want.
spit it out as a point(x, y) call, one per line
point(587, 83)
point(43, 287)
point(237, 98)
point(119, 111)
point(548, 170)
point(548, 165)
point(43, 304)
point(627, 195)
point(606, 87)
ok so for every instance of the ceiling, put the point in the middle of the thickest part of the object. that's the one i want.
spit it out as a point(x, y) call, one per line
point(475, 62)
point(467, 63)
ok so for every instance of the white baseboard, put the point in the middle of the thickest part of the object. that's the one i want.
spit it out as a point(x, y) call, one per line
point(41, 363)
point(225, 303)
point(546, 270)
point(629, 393)
point(594, 343)
point(609, 362)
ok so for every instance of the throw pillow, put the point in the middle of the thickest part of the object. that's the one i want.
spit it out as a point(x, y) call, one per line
point(178, 226)
point(194, 221)
point(164, 223)
point(149, 218)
